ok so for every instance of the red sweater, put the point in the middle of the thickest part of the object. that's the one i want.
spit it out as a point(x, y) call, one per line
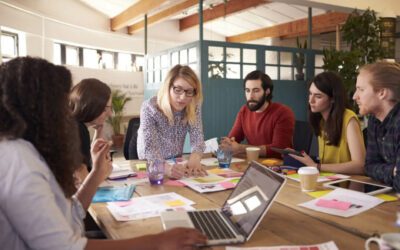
point(272, 127)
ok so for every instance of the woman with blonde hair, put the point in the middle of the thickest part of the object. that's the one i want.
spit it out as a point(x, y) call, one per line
point(165, 120)
point(378, 95)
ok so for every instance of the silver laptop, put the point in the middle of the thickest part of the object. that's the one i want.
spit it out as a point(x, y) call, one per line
point(241, 213)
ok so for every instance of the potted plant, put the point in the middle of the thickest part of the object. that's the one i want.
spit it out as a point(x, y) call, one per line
point(299, 59)
point(118, 100)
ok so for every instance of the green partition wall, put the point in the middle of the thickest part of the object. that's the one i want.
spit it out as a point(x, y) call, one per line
point(222, 66)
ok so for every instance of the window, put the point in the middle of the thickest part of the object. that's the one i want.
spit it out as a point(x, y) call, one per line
point(95, 58)
point(71, 56)
point(9, 45)
point(90, 58)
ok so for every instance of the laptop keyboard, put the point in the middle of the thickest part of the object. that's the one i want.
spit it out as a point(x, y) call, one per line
point(211, 224)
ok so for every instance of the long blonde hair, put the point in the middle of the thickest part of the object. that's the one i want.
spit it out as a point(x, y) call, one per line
point(163, 95)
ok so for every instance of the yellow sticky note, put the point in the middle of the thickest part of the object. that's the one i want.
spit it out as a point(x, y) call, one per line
point(216, 171)
point(141, 166)
point(317, 194)
point(175, 203)
point(386, 197)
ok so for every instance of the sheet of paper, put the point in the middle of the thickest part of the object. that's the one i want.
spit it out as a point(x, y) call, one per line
point(330, 245)
point(148, 206)
point(212, 161)
point(211, 145)
point(209, 183)
point(323, 176)
point(360, 202)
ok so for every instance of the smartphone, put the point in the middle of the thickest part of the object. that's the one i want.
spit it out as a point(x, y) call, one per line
point(286, 151)
point(360, 186)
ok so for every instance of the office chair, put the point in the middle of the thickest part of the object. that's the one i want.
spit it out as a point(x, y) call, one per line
point(130, 151)
point(302, 137)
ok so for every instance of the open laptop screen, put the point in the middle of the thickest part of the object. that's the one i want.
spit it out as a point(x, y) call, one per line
point(253, 194)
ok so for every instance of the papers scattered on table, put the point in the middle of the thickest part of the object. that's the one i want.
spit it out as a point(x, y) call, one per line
point(148, 206)
point(120, 193)
point(323, 176)
point(323, 246)
point(216, 180)
point(214, 162)
point(344, 203)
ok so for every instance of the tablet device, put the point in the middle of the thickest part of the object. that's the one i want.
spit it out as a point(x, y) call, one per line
point(360, 186)
point(286, 151)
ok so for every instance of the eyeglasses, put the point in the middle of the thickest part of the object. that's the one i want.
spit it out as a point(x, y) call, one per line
point(180, 91)
point(108, 107)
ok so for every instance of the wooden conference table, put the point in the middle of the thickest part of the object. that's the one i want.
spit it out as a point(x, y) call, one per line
point(286, 223)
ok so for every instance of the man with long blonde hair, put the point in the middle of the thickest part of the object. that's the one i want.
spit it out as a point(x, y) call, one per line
point(165, 120)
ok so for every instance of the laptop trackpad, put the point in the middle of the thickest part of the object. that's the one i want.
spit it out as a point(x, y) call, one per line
point(175, 219)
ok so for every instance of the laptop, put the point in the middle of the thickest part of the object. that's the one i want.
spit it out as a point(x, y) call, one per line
point(241, 213)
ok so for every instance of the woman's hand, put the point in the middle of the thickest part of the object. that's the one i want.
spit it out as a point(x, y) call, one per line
point(175, 171)
point(102, 165)
point(194, 167)
point(306, 159)
point(180, 238)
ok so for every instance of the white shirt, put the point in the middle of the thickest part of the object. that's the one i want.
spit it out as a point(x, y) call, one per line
point(34, 213)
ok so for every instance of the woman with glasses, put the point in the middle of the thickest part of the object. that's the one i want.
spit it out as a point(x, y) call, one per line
point(165, 120)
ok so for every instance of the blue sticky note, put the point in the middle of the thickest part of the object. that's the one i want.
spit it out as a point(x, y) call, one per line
point(107, 194)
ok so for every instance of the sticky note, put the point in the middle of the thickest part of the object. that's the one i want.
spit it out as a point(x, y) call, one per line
point(141, 166)
point(175, 203)
point(335, 204)
point(141, 175)
point(174, 183)
point(386, 197)
point(123, 203)
point(227, 184)
point(317, 194)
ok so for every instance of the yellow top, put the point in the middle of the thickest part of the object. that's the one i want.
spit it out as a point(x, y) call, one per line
point(340, 153)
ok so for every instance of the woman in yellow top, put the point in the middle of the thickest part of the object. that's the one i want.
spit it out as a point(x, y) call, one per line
point(340, 141)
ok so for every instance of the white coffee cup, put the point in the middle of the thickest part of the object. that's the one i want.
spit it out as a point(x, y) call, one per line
point(308, 178)
point(252, 153)
point(387, 241)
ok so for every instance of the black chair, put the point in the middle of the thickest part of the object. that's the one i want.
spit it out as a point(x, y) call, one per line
point(130, 151)
point(302, 137)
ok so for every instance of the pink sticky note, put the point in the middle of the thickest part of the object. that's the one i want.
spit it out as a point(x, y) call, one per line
point(227, 184)
point(141, 175)
point(174, 183)
point(123, 203)
point(333, 177)
point(342, 205)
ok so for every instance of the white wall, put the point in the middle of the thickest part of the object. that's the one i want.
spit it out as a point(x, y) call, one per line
point(71, 21)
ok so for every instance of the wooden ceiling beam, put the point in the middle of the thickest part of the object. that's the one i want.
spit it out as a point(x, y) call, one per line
point(321, 23)
point(162, 15)
point(218, 11)
point(127, 16)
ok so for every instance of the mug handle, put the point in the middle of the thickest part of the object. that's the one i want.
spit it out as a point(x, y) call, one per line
point(372, 239)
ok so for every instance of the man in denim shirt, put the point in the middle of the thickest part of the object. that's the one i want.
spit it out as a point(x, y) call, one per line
point(378, 94)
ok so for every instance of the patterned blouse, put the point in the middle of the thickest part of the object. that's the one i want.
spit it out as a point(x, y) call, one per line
point(157, 139)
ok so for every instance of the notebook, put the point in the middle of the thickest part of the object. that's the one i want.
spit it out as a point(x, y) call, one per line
point(241, 213)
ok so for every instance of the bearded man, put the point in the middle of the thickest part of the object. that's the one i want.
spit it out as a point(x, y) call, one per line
point(261, 122)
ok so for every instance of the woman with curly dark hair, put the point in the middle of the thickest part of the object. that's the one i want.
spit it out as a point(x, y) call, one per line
point(39, 152)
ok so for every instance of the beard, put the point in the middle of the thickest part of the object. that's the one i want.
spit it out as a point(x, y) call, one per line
point(255, 105)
